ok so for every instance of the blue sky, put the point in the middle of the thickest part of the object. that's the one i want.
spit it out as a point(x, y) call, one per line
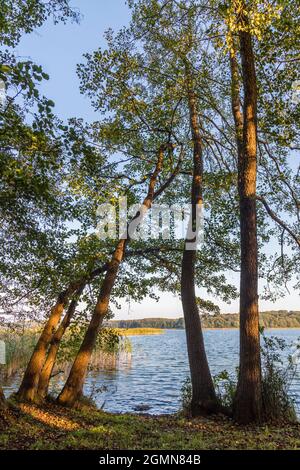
point(58, 48)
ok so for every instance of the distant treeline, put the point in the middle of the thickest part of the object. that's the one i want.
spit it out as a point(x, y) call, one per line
point(271, 319)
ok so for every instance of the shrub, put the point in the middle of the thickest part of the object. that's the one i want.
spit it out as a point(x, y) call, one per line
point(225, 387)
point(278, 371)
point(186, 395)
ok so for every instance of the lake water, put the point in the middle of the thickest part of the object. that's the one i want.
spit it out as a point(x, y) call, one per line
point(152, 376)
point(159, 365)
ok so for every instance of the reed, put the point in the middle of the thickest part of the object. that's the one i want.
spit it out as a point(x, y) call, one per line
point(19, 344)
point(140, 331)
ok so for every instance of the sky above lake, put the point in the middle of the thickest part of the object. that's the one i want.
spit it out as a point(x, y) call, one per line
point(59, 48)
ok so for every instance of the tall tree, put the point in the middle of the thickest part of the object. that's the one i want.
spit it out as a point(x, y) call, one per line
point(73, 387)
point(247, 25)
point(204, 398)
point(175, 30)
point(30, 197)
point(248, 401)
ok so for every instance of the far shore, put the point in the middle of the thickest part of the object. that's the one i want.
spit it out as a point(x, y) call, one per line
point(159, 331)
point(265, 327)
point(273, 319)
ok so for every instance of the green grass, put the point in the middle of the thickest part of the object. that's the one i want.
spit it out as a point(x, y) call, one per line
point(52, 427)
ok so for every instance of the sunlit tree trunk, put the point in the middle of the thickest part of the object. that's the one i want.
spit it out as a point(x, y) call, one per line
point(73, 388)
point(203, 394)
point(248, 400)
point(47, 370)
point(236, 108)
point(28, 387)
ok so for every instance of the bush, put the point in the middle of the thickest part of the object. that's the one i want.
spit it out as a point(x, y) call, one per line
point(186, 395)
point(278, 371)
point(225, 387)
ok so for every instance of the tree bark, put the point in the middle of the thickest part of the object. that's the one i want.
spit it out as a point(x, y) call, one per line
point(73, 388)
point(204, 399)
point(3, 406)
point(236, 109)
point(46, 373)
point(28, 387)
point(248, 400)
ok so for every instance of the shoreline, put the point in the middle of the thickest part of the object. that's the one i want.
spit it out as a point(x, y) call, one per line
point(265, 327)
point(158, 331)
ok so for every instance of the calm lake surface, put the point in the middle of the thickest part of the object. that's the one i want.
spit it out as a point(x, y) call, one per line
point(159, 365)
point(152, 376)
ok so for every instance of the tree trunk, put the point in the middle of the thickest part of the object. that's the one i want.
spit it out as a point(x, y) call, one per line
point(3, 406)
point(45, 375)
point(28, 387)
point(248, 400)
point(73, 388)
point(236, 108)
point(204, 399)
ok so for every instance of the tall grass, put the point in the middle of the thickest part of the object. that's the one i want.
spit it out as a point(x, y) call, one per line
point(18, 348)
point(19, 344)
point(140, 331)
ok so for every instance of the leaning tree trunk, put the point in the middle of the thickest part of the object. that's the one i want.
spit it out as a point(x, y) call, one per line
point(248, 400)
point(73, 388)
point(28, 387)
point(204, 399)
point(47, 370)
point(30, 382)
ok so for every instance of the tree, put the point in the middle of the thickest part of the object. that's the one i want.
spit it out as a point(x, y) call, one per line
point(204, 399)
point(248, 401)
point(31, 197)
point(2, 401)
point(175, 31)
point(247, 30)
point(128, 132)
point(81, 257)
point(73, 387)
point(19, 17)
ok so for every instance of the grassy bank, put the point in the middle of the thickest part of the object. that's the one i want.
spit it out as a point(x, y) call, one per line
point(52, 427)
point(140, 331)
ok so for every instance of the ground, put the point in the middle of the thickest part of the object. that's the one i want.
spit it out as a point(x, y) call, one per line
point(52, 427)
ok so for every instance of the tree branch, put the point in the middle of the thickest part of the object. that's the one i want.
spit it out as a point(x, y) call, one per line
point(278, 220)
